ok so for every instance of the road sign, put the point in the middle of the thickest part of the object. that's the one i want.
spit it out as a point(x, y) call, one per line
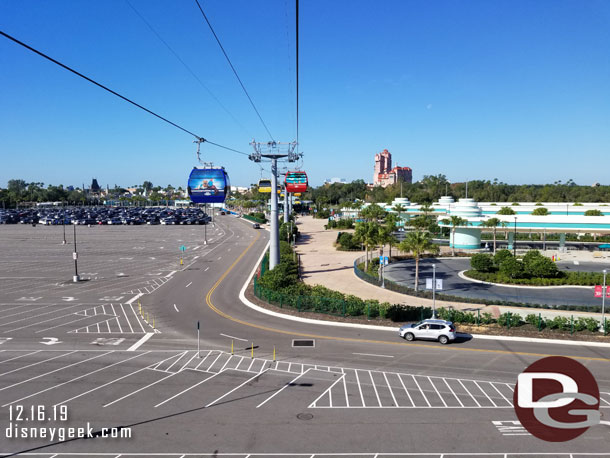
point(384, 260)
point(439, 283)
point(598, 291)
point(183, 248)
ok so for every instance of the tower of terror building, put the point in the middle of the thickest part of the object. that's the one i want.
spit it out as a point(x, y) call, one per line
point(385, 175)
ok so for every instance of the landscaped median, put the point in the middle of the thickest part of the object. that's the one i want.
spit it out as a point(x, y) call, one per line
point(280, 289)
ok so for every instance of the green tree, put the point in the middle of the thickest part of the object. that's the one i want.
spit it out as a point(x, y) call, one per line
point(398, 208)
point(540, 211)
point(367, 233)
point(506, 211)
point(493, 223)
point(511, 267)
point(454, 221)
point(418, 243)
point(593, 212)
point(501, 256)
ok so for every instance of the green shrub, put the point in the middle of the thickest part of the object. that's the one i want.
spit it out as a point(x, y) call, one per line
point(541, 211)
point(590, 324)
point(512, 268)
point(593, 212)
point(500, 256)
point(512, 318)
point(541, 267)
point(482, 262)
point(487, 318)
point(561, 323)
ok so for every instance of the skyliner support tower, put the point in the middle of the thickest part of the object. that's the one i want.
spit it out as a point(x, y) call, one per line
point(274, 151)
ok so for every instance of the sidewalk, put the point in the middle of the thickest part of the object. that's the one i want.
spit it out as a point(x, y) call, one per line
point(323, 265)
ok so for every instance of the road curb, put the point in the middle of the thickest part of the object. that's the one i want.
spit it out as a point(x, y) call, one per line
point(246, 302)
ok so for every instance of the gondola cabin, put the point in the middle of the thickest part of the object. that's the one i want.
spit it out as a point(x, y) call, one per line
point(208, 185)
point(296, 181)
point(264, 185)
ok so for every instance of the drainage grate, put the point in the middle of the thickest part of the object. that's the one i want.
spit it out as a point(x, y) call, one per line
point(303, 343)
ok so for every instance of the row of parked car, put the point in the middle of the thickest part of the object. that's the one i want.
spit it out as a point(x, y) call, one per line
point(104, 215)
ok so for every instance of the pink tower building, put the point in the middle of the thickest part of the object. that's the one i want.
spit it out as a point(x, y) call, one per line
point(385, 175)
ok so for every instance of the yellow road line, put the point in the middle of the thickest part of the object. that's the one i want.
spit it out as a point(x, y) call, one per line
point(208, 300)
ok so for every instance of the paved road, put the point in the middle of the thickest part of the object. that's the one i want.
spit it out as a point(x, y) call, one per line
point(355, 391)
point(447, 269)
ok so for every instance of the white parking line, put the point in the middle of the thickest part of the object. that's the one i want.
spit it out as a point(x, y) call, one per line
point(371, 354)
point(140, 342)
point(237, 388)
point(232, 337)
point(138, 390)
point(52, 387)
point(188, 389)
point(56, 370)
point(176, 308)
point(17, 357)
point(106, 384)
point(35, 364)
point(189, 285)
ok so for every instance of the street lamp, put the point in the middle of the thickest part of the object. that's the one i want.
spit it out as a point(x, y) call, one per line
point(515, 240)
point(604, 299)
point(433, 290)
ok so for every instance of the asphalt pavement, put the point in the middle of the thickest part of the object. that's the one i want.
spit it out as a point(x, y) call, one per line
point(122, 351)
point(447, 269)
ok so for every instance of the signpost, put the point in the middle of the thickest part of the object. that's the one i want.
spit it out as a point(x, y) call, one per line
point(182, 249)
point(198, 342)
point(434, 284)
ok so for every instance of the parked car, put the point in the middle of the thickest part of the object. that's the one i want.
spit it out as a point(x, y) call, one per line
point(256, 226)
point(441, 330)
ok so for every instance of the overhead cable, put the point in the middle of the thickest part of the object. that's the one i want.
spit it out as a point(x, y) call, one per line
point(187, 67)
point(233, 68)
point(115, 93)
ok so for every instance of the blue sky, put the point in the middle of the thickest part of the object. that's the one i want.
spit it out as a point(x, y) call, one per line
point(514, 90)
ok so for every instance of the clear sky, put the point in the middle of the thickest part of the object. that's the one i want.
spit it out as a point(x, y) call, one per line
point(514, 90)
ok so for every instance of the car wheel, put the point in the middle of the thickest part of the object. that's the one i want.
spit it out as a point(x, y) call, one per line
point(409, 336)
point(443, 339)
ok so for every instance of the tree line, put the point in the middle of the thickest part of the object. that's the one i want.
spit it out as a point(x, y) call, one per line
point(431, 187)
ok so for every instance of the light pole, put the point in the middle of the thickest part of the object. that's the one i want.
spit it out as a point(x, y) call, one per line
point(515, 240)
point(604, 299)
point(433, 290)
point(76, 278)
point(63, 223)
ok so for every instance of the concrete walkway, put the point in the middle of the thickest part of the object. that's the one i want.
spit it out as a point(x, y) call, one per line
point(323, 265)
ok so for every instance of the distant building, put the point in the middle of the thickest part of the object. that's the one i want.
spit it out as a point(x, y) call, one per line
point(385, 175)
point(335, 180)
point(95, 188)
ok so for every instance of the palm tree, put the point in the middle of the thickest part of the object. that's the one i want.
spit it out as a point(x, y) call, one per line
point(387, 232)
point(367, 233)
point(398, 208)
point(494, 223)
point(418, 243)
point(454, 221)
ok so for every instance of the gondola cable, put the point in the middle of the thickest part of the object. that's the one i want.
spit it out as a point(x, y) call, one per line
point(198, 137)
point(233, 68)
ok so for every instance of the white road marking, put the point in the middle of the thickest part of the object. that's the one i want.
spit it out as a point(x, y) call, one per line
point(176, 308)
point(206, 269)
point(238, 387)
point(189, 285)
point(236, 338)
point(56, 370)
point(170, 274)
point(106, 384)
point(34, 364)
point(140, 342)
point(73, 379)
point(134, 298)
point(138, 390)
point(185, 390)
point(371, 354)
point(17, 357)
point(327, 391)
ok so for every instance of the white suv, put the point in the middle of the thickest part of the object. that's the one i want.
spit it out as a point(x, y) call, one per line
point(440, 330)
